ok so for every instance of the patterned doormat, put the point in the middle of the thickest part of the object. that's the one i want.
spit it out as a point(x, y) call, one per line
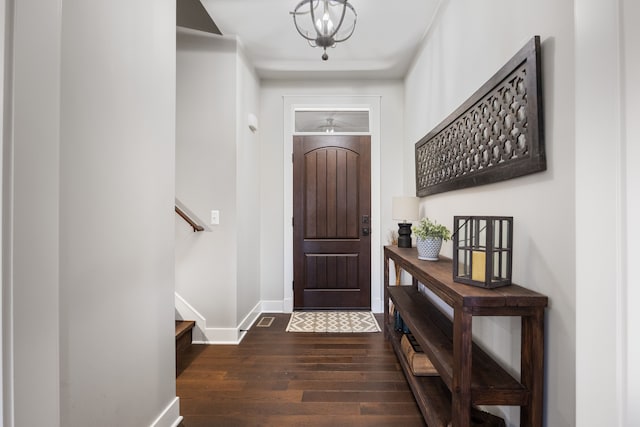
point(333, 321)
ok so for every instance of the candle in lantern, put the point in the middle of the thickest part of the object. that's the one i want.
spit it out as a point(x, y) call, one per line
point(478, 261)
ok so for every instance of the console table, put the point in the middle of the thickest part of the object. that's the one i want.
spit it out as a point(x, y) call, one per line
point(468, 376)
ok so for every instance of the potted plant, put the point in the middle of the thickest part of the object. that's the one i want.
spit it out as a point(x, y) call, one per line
point(429, 237)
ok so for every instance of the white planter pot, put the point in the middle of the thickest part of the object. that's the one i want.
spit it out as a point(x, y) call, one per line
point(429, 248)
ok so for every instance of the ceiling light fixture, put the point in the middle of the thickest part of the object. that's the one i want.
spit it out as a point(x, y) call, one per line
point(329, 127)
point(328, 23)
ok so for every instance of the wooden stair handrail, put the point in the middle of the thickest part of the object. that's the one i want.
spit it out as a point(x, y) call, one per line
point(192, 223)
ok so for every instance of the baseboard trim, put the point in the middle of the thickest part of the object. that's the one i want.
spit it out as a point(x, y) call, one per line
point(170, 417)
point(250, 318)
point(205, 335)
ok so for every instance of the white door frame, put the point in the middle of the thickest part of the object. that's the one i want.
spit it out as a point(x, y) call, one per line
point(336, 102)
point(3, 117)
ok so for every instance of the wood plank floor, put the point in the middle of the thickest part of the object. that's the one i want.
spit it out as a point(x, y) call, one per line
point(275, 378)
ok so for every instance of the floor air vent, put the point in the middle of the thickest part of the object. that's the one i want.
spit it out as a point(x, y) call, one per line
point(265, 322)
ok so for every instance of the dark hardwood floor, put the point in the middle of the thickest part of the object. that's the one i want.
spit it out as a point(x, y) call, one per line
point(275, 378)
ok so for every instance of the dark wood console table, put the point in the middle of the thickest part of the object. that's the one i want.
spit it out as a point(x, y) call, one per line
point(468, 376)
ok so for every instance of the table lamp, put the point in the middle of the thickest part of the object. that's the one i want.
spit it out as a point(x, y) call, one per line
point(405, 209)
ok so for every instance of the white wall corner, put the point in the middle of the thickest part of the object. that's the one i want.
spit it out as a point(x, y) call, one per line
point(206, 335)
point(250, 318)
point(201, 334)
point(170, 417)
point(187, 312)
point(217, 336)
point(288, 305)
point(376, 305)
point(231, 335)
point(276, 306)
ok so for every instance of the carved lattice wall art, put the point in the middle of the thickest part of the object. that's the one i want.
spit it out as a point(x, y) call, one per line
point(497, 134)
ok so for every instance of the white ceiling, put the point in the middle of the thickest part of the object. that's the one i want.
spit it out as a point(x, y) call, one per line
point(386, 37)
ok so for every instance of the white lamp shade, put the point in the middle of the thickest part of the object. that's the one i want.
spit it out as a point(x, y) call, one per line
point(405, 208)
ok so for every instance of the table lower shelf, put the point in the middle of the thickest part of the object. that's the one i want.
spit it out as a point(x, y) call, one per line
point(490, 383)
point(432, 395)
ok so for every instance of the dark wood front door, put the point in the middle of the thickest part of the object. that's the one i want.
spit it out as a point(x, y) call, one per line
point(332, 222)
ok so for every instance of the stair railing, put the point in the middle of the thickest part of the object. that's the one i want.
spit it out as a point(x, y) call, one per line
point(196, 223)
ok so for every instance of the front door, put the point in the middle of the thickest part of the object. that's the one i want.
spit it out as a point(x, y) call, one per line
point(332, 222)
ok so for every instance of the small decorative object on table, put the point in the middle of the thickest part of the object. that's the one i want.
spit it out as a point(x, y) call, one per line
point(429, 237)
point(482, 250)
point(392, 237)
point(405, 209)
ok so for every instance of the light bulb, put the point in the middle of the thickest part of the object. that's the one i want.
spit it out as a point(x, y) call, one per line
point(324, 25)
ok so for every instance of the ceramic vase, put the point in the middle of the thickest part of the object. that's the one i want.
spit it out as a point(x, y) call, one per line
point(429, 248)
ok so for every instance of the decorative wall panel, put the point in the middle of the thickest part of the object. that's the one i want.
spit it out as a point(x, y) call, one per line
point(497, 134)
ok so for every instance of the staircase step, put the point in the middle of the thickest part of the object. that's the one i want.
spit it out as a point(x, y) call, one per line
point(184, 337)
point(184, 326)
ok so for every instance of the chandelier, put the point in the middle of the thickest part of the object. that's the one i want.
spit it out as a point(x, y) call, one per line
point(329, 127)
point(331, 22)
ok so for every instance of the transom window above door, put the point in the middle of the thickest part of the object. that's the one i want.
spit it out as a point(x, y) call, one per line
point(331, 121)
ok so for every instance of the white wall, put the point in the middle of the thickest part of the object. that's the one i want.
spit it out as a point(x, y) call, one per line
point(217, 168)
point(206, 271)
point(272, 252)
point(3, 119)
point(467, 44)
point(249, 165)
point(31, 240)
point(117, 161)
point(630, 89)
point(91, 210)
point(607, 200)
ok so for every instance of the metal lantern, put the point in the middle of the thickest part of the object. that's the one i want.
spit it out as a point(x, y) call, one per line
point(482, 250)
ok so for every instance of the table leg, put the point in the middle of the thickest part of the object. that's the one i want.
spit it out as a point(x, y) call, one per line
point(385, 302)
point(461, 393)
point(532, 367)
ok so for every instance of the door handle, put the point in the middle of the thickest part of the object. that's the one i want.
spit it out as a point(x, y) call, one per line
point(365, 231)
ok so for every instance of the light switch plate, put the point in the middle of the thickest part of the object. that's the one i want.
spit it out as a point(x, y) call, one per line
point(215, 217)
